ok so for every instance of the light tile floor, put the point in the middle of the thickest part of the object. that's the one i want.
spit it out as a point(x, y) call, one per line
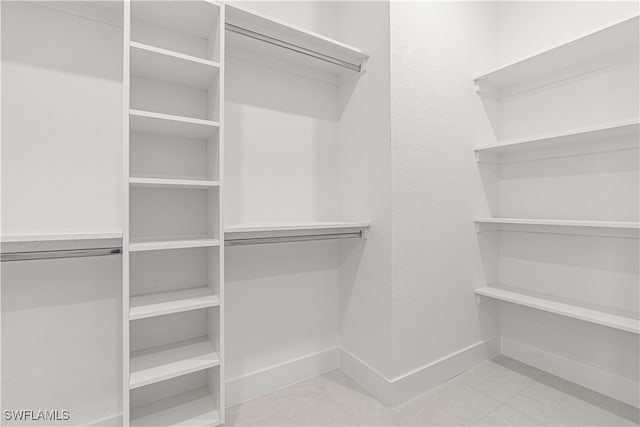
point(500, 392)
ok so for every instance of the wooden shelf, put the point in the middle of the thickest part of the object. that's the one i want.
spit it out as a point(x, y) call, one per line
point(173, 183)
point(626, 225)
point(160, 304)
point(167, 124)
point(597, 50)
point(149, 244)
point(293, 36)
point(613, 137)
point(193, 409)
point(623, 323)
point(170, 361)
point(164, 65)
point(276, 232)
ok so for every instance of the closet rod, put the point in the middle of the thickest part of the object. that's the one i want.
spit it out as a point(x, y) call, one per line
point(286, 45)
point(64, 253)
point(289, 239)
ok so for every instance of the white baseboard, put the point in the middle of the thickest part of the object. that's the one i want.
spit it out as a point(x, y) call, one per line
point(400, 389)
point(257, 383)
point(597, 379)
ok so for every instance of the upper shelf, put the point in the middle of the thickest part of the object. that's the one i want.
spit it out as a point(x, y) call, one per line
point(154, 63)
point(613, 137)
point(596, 50)
point(54, 240)
point(272, 37)
point(293, 232)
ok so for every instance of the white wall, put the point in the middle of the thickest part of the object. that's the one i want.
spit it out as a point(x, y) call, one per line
point(365, 188)
point(61, 171)
point(62, 120)
point(437, 47)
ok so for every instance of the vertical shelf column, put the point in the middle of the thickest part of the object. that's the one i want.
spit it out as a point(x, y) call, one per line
point(173, 279)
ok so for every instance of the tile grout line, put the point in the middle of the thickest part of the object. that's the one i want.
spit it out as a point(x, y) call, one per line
point(533, 382)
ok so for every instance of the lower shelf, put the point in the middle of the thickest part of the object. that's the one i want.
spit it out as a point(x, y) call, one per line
point(162, 363)
point(623, 323)
point(193, 409)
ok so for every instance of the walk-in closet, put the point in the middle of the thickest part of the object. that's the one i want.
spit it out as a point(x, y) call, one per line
point(320, 213)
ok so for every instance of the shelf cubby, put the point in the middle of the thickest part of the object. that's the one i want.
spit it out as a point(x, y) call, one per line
point(188, 27)
point(599, 316)
point(191, 400)
point(154, 63)
point(170, 361)
point(162, 303)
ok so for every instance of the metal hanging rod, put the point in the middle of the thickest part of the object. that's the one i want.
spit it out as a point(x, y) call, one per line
point(289, 239)
point(286, 45)
point(63, 253)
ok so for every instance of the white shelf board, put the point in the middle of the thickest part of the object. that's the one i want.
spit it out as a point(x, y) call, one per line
point(596, 50)
point(192, 409)
point(168, 124)
point(173, 183)
point(569, 310)
point(153, 244)
point(612, 137)
point(160, 304)
point(293, 35)
point(154, 63)
point(276, 230)
point(20, 236)
point(627, 225)
point(170, 361)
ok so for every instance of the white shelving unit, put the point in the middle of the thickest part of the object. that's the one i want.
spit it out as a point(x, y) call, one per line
point(619, 136)
point(574, 311)
point(267, 37)
point(173, 72)
point(577, 172)
point(597, 50)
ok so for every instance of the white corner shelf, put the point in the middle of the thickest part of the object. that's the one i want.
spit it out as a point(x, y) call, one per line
point(154, 244)
point(284, 232)
point(613, 137)
point(597, 50)
point(163, 303)
point(173, 183)
point(168, 124)
point(154, 63)
point(170, 361)
point(192, 409)
point(598, 317)
point(353, 60)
